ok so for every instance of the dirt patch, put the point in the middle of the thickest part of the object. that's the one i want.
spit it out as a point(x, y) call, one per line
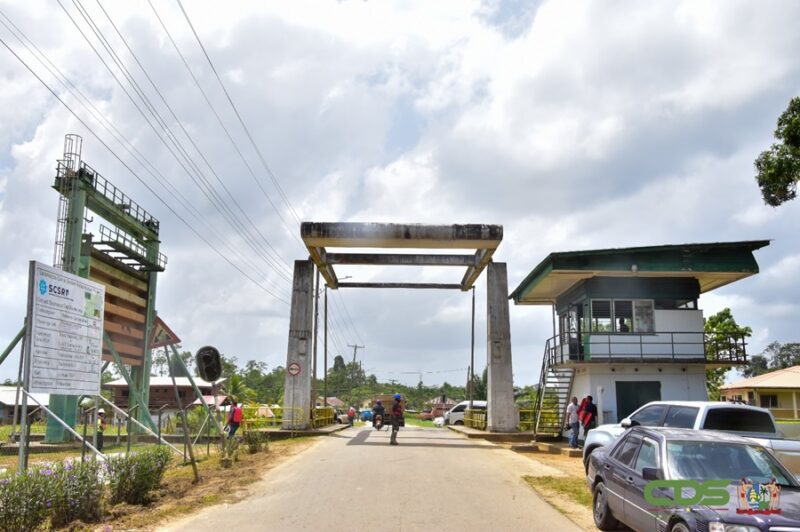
point(178, 496)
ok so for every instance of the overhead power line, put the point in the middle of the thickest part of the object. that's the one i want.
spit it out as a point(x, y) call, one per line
point(221, 123)
point(184, 160)
point(136, 175)
point(118, 136)
point(241, 121)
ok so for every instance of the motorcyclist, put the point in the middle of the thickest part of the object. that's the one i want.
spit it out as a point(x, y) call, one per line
point(378, 413)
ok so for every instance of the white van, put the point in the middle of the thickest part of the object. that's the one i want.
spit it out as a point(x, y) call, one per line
point(455, 416)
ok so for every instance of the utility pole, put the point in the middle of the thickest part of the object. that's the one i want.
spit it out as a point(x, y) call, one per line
point(325, 377)
point(471, 372)
point(316, 342)
point(355, 351)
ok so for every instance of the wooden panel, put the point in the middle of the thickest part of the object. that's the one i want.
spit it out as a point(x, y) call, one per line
point(137, 317)
point(124, 348)
point(108, 357)
point(121, 293)
point(116, 274)
point(123, 329)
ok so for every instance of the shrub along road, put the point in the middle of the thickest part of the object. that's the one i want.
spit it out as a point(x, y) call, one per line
point(434, 480)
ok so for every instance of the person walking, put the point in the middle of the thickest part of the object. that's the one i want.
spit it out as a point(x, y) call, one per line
point(235, 414)
point(397, 413)
point(572, 422)
point(100, 429)
point(589, 417)
point(351, 415)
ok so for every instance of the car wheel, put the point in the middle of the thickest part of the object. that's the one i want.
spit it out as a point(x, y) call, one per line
point(603, 518)
point(459, 422)
point(587, 459)
point(679, 526)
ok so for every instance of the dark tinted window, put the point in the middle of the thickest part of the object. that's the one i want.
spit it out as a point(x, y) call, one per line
point(681, 417)
point(649, 416)
point(459, 408)
point(626, 450)
point(647, 457)
point(738, 419)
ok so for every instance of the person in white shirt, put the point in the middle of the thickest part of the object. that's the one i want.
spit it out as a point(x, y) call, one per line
point(572, 422)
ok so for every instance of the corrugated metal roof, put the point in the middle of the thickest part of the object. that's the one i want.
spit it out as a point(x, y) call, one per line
point(783, 378)
point(167, 381)
point(8, 396)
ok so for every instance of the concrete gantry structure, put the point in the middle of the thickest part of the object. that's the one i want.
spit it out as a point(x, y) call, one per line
point(484, 239)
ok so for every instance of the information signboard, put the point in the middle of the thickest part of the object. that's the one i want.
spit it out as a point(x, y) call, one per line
point(64, 332)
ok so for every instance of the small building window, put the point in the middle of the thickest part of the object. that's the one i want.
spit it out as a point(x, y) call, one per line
point(623, 315)
point(768, 401)
point(643, 316)
point(601, 316)
point(124, 393)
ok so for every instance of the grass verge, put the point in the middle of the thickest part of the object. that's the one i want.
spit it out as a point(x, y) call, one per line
point(574, 489)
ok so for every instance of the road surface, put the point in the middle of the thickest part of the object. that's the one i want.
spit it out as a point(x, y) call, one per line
point(435, 480)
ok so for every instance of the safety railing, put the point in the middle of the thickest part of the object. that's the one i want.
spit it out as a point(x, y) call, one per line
point(475, 419)
point(323, 416)
point(527, 419)
point(256, 417)
point(725, 348)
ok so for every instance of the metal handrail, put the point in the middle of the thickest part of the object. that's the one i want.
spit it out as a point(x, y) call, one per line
point(716, 347)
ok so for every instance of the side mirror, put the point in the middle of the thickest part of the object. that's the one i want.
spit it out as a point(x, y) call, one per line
point(626, 423)
point(651, 473)
point(209, 364)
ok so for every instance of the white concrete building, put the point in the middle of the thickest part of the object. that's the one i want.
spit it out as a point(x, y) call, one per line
point(627, 328)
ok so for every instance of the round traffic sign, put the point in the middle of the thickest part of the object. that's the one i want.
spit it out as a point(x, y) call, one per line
point(294, 369)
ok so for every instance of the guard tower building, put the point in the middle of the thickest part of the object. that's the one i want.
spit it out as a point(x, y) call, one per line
point(627, 328)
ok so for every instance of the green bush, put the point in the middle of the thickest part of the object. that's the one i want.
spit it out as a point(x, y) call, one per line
point(26, 500)
point(133, 478)
point(77, 492)
point(256, 441)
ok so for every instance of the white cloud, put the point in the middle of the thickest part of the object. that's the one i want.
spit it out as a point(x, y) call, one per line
point(572, 124)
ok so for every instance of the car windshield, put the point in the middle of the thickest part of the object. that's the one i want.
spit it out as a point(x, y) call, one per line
point(713, 460)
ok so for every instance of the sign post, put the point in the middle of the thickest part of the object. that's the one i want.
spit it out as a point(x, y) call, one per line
point(63, 338)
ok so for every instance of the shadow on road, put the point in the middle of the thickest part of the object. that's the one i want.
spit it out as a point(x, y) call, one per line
point(444, 443)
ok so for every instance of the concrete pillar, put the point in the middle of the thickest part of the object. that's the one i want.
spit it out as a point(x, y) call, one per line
point(297, 394)
point(502, 416)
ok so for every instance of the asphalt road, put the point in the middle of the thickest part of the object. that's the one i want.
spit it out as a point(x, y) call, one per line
point(435, 480)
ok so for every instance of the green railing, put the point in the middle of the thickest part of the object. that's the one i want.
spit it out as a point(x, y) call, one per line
point(475, 419)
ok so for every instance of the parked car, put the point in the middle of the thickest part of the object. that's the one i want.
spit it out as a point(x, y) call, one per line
point(618, 475)
point(426, 415)
point(744, 420)
point(455, 416)
point(341, 417)
point(366, 415)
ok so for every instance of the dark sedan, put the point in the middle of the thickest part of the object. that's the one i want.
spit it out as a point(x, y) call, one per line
point(680, 480)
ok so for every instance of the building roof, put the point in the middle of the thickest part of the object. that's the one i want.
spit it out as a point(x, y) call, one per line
point(712, 264)
point(221, 400)
point(783, 378)
point(8, 395)
point(165, 381)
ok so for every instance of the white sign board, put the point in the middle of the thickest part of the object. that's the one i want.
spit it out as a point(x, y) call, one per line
point(65, 332)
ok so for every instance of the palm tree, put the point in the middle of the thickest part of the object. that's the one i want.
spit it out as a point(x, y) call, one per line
point(236, 388)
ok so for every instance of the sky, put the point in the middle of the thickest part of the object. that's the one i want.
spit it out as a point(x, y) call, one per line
point(575, 125)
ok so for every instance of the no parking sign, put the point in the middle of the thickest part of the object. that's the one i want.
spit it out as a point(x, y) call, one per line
point(294, 369)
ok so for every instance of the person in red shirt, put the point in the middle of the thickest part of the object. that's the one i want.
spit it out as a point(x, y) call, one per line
point(234, 418)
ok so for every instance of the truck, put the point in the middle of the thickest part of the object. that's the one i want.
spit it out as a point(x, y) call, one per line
point(744, 420)
point(387, 399)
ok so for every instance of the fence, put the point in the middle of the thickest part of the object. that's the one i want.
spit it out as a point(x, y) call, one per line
point(475, 419)
point(527, 419)
point(258, 418)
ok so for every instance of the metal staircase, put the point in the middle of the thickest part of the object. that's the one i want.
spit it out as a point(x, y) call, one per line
point(555, 386)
